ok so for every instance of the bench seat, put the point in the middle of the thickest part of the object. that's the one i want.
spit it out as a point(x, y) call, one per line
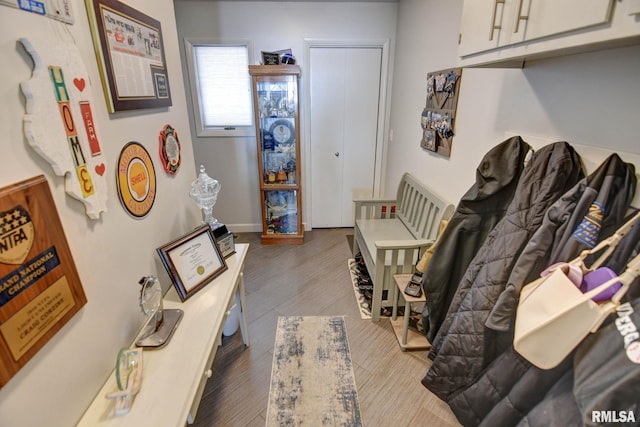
point(391, 234)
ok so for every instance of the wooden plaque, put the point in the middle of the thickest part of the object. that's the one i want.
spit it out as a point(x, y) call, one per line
point(40, 289)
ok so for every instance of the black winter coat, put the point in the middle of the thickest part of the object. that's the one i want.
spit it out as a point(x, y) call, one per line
point(478, 211)
point(459, 349)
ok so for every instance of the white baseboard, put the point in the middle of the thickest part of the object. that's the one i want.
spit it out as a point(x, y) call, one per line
point(252, 228)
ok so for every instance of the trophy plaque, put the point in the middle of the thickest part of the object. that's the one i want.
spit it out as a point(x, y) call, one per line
point(204, 191)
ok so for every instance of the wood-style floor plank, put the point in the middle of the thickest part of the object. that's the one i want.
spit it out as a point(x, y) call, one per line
point(313, 280)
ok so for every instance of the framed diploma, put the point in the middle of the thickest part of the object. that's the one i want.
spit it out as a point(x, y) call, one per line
point(40, 290)
point(192, 261)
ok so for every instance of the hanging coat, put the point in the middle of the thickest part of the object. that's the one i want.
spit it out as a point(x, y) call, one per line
point(611, 188)
point(458, 350)
point(610, 360)
point(606, 365)
point(593, 209)
point(604, 381)
point(478, 211)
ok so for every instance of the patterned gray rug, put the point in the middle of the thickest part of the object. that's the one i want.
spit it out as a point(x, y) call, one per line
point(312, 381)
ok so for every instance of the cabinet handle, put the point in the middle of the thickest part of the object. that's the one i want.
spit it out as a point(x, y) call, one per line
point(520, 17)
point(336, 154)
point(208, 373)
point(493, 18)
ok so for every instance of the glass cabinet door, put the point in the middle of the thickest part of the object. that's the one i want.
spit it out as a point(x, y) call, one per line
point(277, 112)
point(281, 212)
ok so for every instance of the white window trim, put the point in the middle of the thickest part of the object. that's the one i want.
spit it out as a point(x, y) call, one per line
point(201, 130)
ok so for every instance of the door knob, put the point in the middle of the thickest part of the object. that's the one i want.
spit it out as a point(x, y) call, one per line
point(336, 154)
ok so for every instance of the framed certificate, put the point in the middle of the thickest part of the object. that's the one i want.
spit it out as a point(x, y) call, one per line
point(192, 261)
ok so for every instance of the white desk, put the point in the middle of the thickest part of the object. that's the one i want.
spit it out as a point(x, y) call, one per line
point(174, 377)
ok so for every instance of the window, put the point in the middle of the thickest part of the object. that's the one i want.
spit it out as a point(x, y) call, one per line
point(220, 87)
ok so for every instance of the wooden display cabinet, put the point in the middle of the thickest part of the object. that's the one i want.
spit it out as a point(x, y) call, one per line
point(277, 121)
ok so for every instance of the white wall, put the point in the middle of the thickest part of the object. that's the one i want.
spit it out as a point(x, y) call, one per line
point(589, 99)
point(111, 253)
point(269, 26)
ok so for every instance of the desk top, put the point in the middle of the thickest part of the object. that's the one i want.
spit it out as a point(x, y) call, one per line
point(171, 375)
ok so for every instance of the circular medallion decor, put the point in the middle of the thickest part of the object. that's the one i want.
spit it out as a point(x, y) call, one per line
point(136, 179)
point(170, 149)
point(283, 132)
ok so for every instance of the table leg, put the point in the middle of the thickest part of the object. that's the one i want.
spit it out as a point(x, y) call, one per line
point(244, 327)
point(394, 298)
point(405, 325)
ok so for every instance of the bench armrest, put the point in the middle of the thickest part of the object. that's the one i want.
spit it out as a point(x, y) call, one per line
point(372, 208)
point(403, 244)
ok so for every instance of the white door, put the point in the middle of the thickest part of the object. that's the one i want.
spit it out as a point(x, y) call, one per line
point(344, 108)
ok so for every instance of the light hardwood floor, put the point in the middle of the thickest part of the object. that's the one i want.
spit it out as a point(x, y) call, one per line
point(313, 280)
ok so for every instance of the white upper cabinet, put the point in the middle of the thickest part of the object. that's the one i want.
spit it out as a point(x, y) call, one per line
point(486, 24)
point(501, 31)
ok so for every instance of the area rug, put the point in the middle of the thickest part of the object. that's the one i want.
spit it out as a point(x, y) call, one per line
point(312, 381)
point(364, 305)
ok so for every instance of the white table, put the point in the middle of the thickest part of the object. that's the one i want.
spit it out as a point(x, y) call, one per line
point(174, 376)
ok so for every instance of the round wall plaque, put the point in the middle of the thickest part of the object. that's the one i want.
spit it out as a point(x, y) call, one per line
point(136, 179)
point(170, 149)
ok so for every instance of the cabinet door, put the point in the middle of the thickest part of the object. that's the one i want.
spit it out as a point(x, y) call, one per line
point(277, 119)
point(486, 24)
point(543, 18)
point(492, 24)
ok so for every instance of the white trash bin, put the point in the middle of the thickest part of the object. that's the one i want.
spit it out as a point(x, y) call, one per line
point(233, 320)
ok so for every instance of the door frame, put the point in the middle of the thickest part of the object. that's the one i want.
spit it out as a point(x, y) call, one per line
point(383, 113)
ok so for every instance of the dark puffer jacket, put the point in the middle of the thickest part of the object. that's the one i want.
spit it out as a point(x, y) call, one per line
point(478, 211)
point(458, 351)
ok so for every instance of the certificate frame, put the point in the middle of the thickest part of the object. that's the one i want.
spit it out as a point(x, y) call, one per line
point(192, 261)
point(123, 37)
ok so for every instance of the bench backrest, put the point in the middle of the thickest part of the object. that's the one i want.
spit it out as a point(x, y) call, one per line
point(419, 209)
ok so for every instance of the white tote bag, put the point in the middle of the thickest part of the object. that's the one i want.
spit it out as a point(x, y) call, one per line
point(554, 315)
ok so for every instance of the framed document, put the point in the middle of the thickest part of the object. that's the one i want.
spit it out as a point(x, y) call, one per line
point(40, 290)
point(192, 261)
point(130, 53)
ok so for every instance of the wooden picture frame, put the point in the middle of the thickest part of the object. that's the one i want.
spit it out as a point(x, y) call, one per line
point(192, 261)
point(122, 37)
point(270, 58)
point(40, 289)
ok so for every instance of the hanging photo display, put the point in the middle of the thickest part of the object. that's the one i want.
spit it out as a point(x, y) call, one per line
point(170, 149)
point(136, 180)
point(438, 116)
point(40, 290)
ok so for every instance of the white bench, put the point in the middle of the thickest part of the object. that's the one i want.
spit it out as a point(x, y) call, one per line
point(391, 233)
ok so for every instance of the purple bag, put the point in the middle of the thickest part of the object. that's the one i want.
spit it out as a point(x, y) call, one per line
point(596, 278)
